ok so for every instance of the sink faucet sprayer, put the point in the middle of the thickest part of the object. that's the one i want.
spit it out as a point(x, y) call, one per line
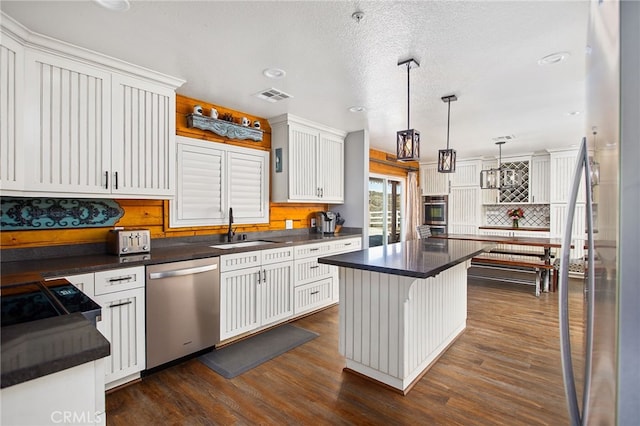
point(230, 232)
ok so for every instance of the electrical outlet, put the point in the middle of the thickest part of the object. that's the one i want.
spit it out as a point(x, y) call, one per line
point(288, 224)
point(313, 222)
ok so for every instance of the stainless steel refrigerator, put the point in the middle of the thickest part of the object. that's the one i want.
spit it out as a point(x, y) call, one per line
point(608, 390)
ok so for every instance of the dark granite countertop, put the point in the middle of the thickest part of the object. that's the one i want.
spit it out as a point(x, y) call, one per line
point(169, 250)
point(416, 258)
point(37, 348)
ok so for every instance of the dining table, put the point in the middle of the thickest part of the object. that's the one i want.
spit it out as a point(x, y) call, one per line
point(545, 243)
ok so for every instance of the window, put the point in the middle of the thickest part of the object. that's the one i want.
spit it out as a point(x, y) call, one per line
point(386, 198)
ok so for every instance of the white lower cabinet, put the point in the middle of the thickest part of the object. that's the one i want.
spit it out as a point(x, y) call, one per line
point(315, 295)
point(316, 284)
point(256, 290)
point(71, 396)
point(121, 294)
point(262, 288)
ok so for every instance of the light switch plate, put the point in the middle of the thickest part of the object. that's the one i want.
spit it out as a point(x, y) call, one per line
point(288, 224)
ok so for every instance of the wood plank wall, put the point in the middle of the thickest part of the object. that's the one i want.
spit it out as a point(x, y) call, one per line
point(383, 163)
point(154, 214)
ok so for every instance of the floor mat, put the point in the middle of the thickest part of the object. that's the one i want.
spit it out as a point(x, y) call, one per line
point(242, 356)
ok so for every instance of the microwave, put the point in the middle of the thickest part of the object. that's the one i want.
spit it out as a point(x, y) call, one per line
point(435, 210)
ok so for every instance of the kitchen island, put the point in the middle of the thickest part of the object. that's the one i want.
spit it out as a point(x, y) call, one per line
point(401, 306)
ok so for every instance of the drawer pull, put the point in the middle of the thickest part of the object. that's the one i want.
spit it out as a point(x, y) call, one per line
point(314, 249)
point(314, 292)
point(314, 267)
point(347, 244)
point(120, 304)
point(114, 280)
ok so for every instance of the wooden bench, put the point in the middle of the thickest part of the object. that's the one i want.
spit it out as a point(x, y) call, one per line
point(504, 260)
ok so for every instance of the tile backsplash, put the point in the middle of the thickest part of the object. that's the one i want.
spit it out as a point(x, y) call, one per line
point(535, 215)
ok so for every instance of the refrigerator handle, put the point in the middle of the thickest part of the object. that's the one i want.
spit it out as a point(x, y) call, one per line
point(575, 418)
point(591, 287)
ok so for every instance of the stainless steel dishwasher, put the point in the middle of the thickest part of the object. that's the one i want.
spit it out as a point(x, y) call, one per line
point(183, 309)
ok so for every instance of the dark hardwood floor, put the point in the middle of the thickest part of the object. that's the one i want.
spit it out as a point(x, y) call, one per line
point(503, 370)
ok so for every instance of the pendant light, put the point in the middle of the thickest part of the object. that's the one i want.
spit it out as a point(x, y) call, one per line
point(447, 157)
point(408, 141)
point(500, 178)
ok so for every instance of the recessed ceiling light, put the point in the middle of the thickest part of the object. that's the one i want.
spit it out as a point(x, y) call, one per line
point(553, 58)
point(274, 73)
point(357, 108)
point(117, 5)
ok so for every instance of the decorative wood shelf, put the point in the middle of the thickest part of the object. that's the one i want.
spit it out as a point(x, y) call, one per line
point(223, 128)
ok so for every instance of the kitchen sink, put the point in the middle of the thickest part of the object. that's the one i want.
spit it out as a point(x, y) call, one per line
point(241, 244)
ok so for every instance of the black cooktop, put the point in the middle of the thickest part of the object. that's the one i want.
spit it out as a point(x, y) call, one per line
point(39, 300)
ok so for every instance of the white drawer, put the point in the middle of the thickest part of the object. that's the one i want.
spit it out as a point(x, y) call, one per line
point(311, 250)
point(119, 280)
point(233, 262)
point(347, 245)
point(283, 254)
point(308, 270)
point(313, 296)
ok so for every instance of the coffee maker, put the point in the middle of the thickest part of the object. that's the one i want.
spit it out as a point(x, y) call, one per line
point(325, 222)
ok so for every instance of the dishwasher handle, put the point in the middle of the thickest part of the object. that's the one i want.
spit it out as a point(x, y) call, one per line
point(181, 272)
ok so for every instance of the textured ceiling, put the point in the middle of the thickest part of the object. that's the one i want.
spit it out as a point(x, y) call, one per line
point(484, 52)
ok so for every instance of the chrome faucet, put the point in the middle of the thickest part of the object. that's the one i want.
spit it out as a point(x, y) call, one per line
point(230, 232)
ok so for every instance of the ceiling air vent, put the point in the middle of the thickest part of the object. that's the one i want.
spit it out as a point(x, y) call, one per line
point(272, 95)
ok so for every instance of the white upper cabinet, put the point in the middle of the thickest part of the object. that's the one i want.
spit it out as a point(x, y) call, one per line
point(489, 196)
point(82, 124)
point(68, 106)
point(143, 123)
point(539, 179)
point(11, 78)
point(467, 173)
point(562, 167)
point(211, 177)
point(308, 161)
point(534, 188)
point(331, 167)
point(432, 182)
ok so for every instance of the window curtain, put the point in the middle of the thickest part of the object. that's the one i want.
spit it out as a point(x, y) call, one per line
point(413, 207)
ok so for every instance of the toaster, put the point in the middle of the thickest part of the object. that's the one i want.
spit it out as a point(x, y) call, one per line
point(128, 241)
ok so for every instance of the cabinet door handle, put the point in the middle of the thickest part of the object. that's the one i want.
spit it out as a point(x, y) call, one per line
point(106, 179)
point(120, 304)
point(115, 180)
point(321, 192)
point(264, 275)
point(115, 280)
point(259, 277)
point(314, 292)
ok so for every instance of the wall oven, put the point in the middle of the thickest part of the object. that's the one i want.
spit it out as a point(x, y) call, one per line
point(435, 211)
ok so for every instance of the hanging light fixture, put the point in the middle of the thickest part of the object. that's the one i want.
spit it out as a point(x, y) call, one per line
point(447, 157)
point(500, 178)
point(408, 141)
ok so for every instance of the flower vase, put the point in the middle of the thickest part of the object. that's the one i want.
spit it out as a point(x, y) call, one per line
point(515, 223)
